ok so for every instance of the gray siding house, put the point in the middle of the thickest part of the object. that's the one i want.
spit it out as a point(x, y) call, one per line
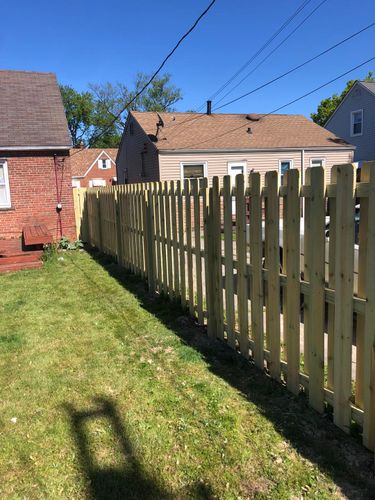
point(354, 120)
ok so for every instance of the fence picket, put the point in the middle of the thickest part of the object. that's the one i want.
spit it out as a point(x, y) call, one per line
point(243, 317)
point(176, 279)
point(343, 329)
point(273, 267)
point(228, 253)
point(256, 264)
point(180, 210)
point(197, 247)
point(314, 273)
point(291, 267)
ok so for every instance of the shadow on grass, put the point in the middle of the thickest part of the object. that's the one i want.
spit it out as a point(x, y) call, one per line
point(126, 481)
point(314, 436)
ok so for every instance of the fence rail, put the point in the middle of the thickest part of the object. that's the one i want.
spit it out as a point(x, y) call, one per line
point(295, 294)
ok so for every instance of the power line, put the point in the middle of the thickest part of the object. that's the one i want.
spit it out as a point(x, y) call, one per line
point(287, 104)
point(297, 67)
point(272, 51)
point(108, 127)
point(262, 48)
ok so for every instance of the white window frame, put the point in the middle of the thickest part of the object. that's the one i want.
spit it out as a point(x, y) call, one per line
point(352, 134)
point(242, 163)
point(323, 160)
point(108, 162)
point(76, 183)
point(8, 204)
point(187, 163)
point(290, 160)
point(102, 182)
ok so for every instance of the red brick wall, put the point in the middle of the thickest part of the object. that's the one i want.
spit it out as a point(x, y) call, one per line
point(33, 193)
point(99, 173)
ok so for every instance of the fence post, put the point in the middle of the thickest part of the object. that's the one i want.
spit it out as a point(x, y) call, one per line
point(343, 329)
point(368, 285)
point(99, 220)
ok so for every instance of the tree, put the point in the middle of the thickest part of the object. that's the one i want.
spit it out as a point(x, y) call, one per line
point(111, 99)
point(327, 106)
point(79, 109)
point(92, 116)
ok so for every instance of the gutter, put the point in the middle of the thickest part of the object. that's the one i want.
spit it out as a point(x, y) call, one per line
point(33, 148)
point(255, 150)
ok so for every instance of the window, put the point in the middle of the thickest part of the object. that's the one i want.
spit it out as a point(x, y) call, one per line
point(97, 183)
point(284, 166)
point(317, 162)
point(356, 122)
point(76, 183)
point(4, 185)
point(104, 164)
point(193, 170)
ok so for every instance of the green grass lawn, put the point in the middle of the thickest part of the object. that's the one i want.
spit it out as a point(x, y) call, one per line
point(107, 392)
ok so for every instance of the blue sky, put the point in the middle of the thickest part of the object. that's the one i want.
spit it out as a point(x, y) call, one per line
point(94, 41)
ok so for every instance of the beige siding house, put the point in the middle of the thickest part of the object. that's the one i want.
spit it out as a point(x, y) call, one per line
point(172, 146)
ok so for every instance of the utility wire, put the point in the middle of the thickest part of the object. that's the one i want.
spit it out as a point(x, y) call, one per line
point(297, 67)
point(272, 51)
point(259, 51)
point(118, 115)
point(287, 104)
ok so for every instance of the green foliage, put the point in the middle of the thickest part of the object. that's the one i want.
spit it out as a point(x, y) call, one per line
point(66, 244)
point(327, 106)
point(91, 113)
point(79, 109)
point(49, 252)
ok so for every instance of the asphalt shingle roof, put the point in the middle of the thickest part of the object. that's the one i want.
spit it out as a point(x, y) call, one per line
point(369, 85)
point(194, 131)
point(81, 161)
point(32, 112)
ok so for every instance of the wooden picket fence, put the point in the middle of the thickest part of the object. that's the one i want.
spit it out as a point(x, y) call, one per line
point(303, 308)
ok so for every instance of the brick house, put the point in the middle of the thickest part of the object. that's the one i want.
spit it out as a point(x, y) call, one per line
point(93, 167)
point(171, 146)
point(35, 177)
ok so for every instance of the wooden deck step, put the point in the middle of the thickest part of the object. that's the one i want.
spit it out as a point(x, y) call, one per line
point(37, 234)
point(22, 257)
point(20, 266)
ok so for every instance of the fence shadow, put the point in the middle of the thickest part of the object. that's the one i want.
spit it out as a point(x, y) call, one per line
point(314, 436)
point(129, 480)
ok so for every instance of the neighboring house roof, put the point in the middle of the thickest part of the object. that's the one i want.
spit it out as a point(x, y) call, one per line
point(32, 112)
point(193, 131)
point(369, 86)
point(81, 161)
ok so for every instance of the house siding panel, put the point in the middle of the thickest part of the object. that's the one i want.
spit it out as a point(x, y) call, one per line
point(358, 98)
point(217, 163)
point(129, 159)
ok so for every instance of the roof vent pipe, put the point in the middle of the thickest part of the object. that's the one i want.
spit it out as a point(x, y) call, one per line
point(209, 103)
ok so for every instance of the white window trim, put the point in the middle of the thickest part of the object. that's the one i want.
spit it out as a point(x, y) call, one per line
point(187, 163)
point(4, 163)
point(352, 134)
point(237, 164)
point(323, 160)
point(92, 181)
point(101, 164)
point(290, 160)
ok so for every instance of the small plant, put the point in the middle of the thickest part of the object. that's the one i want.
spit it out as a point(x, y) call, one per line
point(66, 244)
point(49, 251)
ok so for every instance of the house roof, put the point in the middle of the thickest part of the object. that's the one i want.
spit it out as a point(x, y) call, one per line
point(369, 86)
point(195, 131)
point(32, 112)
point(82, 160)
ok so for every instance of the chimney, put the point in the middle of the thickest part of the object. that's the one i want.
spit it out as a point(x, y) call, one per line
point(81, 145)
point(209, 107)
